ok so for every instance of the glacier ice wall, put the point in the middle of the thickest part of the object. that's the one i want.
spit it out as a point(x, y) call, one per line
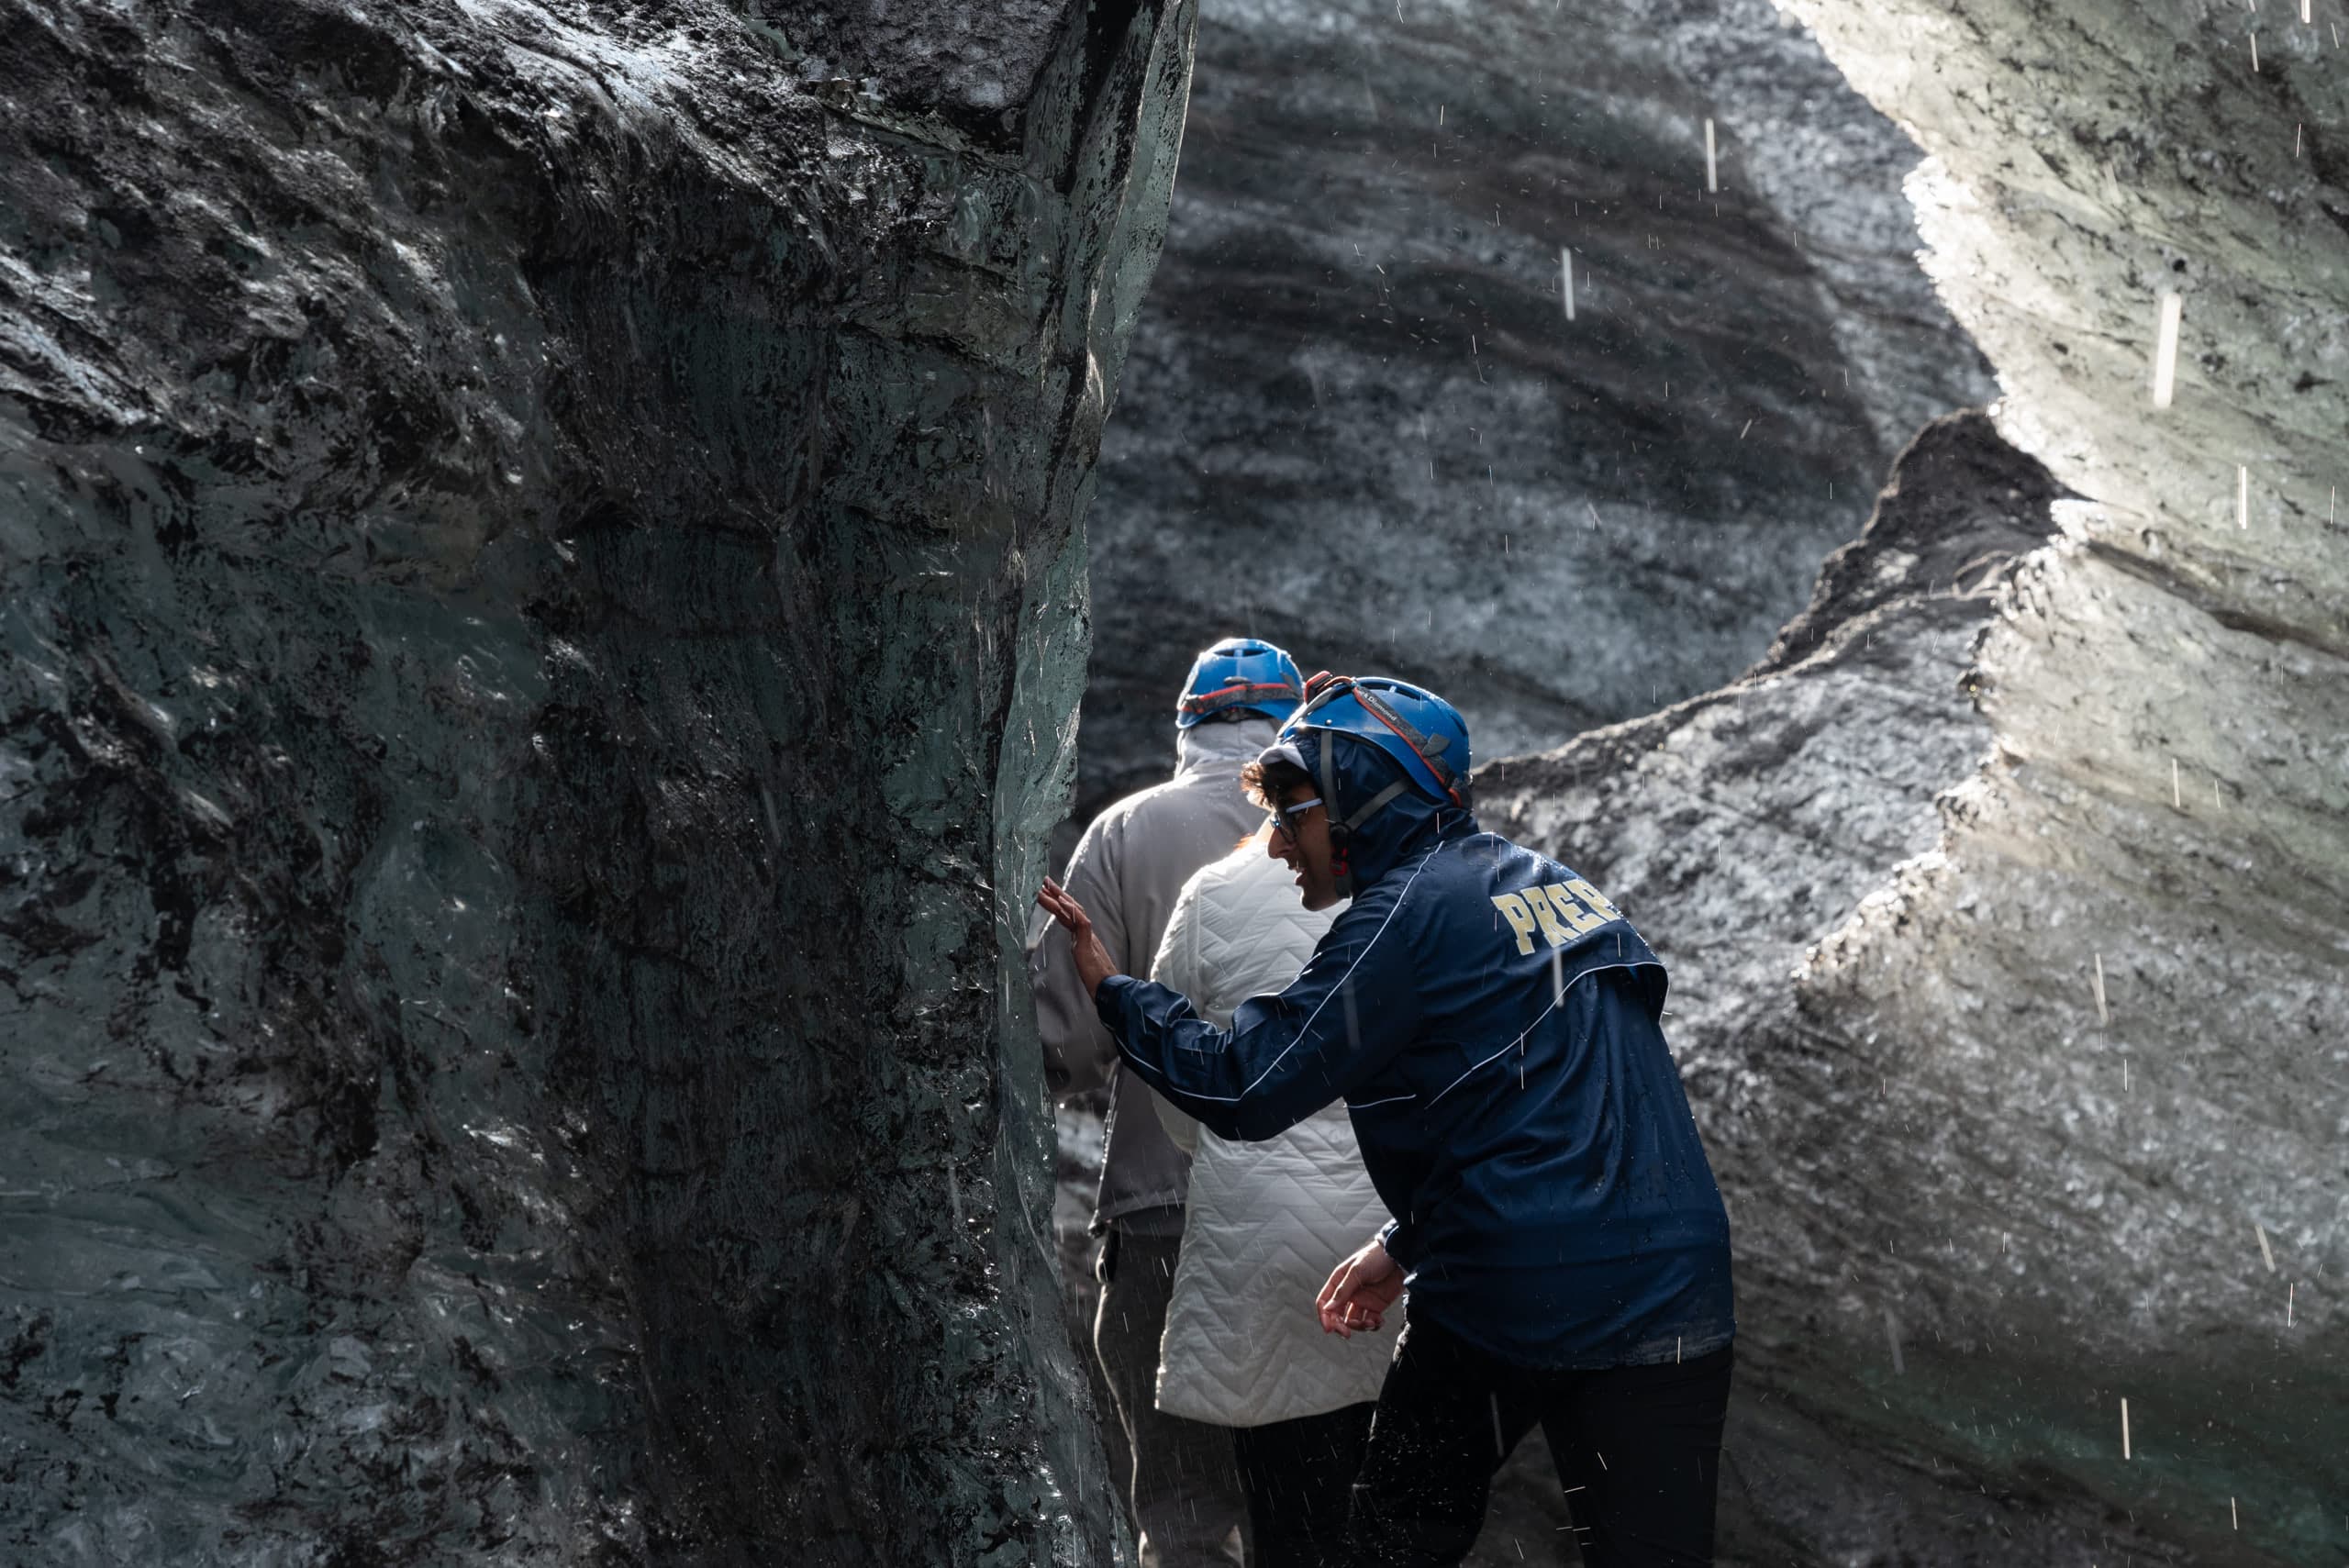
point(1356, 420)
point(2010, 964)
point(540, 598)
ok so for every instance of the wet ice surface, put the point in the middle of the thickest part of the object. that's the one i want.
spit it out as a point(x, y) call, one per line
point(1357, 421)
point(234, 1298)
point(468, 988)
point(1964, 1232)
point(1981, 1197)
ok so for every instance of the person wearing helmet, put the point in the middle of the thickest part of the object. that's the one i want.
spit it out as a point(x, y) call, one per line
point(1491, 1022)
point(1181, 1477)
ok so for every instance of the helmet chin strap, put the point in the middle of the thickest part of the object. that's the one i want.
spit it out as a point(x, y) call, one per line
point(1342, 871)
point(1342, 830)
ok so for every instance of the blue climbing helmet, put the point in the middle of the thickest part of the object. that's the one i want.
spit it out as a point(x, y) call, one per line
point(1423, 734)
point(1241, 673)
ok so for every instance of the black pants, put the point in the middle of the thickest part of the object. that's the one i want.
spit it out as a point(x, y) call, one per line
point(1298, 1476)
point(1637, 1449)
point(1183, 1487)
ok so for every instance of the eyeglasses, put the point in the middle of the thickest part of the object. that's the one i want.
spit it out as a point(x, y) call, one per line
point(1283, 819)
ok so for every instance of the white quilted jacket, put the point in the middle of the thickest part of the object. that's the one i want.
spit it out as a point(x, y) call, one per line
point(1267, 1221)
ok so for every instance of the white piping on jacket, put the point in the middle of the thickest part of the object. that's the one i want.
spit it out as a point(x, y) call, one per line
point(1555, 1003)
point(1306, 1027)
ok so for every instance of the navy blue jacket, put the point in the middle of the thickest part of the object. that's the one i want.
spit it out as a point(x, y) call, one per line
point(1491, 1022)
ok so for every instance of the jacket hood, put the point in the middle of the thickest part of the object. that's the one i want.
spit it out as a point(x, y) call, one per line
point(1230, 744)
point(1404, 827)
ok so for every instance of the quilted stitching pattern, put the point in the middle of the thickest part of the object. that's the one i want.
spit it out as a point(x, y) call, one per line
point(1267, 1221)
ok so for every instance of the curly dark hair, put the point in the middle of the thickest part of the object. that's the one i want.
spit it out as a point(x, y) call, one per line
point(1267, 781)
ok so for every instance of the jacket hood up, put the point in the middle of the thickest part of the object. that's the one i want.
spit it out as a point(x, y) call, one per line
point(1405, 826)
point(1225, 743)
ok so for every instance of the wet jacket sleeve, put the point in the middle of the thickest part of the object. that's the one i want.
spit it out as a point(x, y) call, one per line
point(1077, 1051)
point(1351, 1010)
point(1400, 1237)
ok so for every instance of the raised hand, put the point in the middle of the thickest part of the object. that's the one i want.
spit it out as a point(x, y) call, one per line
point(1093, 964)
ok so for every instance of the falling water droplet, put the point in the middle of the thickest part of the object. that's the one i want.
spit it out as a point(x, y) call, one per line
point(2166, 351)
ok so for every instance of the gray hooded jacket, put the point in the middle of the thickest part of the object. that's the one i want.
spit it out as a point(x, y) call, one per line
point(1127, 871)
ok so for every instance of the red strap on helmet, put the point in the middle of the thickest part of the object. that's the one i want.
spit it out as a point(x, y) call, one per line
point(1379, 710)
point(1205, 702)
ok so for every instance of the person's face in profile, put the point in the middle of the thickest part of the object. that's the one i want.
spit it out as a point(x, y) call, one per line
point(1298, 838)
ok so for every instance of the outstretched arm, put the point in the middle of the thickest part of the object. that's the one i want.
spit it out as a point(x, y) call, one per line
point(1354, 1007)
point(1178, 965)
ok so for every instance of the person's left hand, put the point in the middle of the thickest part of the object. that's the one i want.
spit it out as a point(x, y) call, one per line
point(1093, 965)
point(1361, 1291)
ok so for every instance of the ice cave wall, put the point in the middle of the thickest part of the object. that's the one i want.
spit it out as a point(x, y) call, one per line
point(2009, 899)
point(542, 590)
point(1357, 420)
